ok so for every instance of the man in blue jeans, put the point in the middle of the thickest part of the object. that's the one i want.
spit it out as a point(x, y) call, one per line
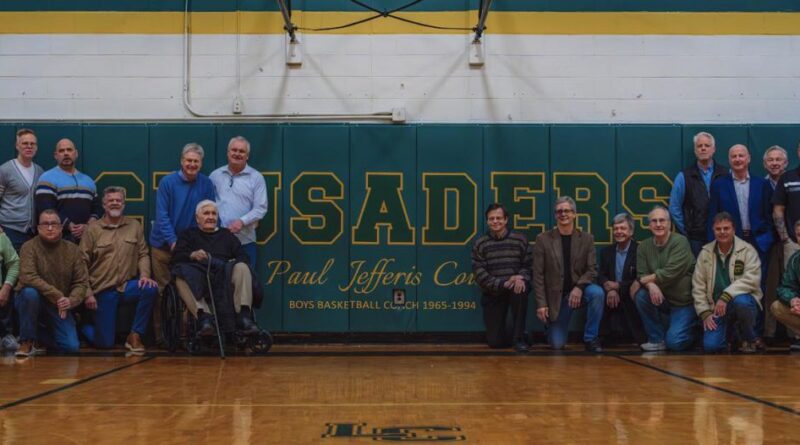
point(52, 281)
point(118, 261)
point(564, 270)
point(726, 287)
point(664, 265)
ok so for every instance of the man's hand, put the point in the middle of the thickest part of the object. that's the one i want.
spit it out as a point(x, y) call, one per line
point(516, 284)
point(575, 297)
point(199, 255)
point(543, 314)
point(709, 324)
point(635, 286)
point(794, 305)
point(5, 294)
point(610, 285)
point(656, 296)
point(63, 305)
point(647, 279)
point(147, 282)
point(77, 230)
point(236, 226)
point(612, 299)
point(91, 302)
point(720, 308)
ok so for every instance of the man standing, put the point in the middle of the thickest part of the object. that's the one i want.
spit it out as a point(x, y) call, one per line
point(118, 261)
point(775, 162)
point(564, 270)
point(747, 200)
point(501, 262)
point(52, 281)
point(688, 201)
point(18, 177)
point(242, 196)
point(726, 287)
point(176, 199)
point(68, 191)
point(617, 276)
point(664, 263)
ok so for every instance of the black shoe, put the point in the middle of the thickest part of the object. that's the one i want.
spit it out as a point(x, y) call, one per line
point(593, 346)
point(521, 347)
point(245, 323)
point(795, 346)
point(205, 324)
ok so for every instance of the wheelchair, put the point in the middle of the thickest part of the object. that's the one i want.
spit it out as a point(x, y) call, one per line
point(180, 331)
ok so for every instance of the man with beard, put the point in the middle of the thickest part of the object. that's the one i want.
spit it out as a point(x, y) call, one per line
point(52, 281)
point(208, 248)
point(118, 261)
point(71, 193)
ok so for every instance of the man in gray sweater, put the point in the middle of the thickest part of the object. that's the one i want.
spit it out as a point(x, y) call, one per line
point(18, 177)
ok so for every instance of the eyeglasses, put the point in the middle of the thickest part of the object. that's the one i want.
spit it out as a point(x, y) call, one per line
point(50, 225)
point(563, 211)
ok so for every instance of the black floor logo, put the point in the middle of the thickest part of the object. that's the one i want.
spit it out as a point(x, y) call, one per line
point(394, 433)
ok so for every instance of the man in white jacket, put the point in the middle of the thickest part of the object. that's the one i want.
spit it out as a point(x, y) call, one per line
point(726, 287)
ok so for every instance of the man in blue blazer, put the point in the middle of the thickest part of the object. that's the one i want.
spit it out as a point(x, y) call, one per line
point(747, 198)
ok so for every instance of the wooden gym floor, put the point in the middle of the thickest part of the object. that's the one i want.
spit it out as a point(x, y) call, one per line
point(329, 394)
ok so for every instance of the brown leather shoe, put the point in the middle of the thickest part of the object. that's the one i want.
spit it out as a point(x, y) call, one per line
point(25, 349)
point(134, 343)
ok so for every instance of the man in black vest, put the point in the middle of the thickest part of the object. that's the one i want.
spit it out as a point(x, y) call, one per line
point(688, 202)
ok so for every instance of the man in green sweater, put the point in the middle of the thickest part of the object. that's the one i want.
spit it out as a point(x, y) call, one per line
point(9, 262)
point(664, 264)
point(52, 281)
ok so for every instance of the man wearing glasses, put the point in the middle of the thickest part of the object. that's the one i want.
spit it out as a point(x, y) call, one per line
point(52, 281)
point(18, 177)
point(664, 264)
point(242, 195)
point(564, 270)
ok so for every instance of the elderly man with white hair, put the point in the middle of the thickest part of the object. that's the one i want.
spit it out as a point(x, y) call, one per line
point(209, 249)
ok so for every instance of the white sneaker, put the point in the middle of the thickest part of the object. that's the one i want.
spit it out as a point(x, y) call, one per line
point(653, 347)
point(9, 343)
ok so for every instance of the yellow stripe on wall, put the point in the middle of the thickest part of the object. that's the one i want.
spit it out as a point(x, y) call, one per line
point(623, 23)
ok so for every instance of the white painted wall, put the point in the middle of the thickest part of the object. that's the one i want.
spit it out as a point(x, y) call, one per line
point(605, 79)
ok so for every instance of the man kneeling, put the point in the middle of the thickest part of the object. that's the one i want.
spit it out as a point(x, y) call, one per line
point(726, 287)
point(208, 248)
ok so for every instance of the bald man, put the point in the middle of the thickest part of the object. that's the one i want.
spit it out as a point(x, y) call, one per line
point(69, 192)
point(748, 200)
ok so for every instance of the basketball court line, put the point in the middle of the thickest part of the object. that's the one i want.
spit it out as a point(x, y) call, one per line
point(72, 385)
point(715, 387)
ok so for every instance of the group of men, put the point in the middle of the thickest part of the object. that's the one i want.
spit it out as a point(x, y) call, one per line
point(81, 257)
point(713, 269)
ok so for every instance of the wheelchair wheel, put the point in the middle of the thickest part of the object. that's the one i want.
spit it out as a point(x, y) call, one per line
point(260, 344)
point(171, 310)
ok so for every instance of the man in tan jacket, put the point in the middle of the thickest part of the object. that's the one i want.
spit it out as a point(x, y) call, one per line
point(564, 270)
point(726, 287)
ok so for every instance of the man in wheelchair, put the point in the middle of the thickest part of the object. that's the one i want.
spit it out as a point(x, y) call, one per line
point(208, 255)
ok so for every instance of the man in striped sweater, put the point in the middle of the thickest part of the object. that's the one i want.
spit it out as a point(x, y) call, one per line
point(502, 264)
